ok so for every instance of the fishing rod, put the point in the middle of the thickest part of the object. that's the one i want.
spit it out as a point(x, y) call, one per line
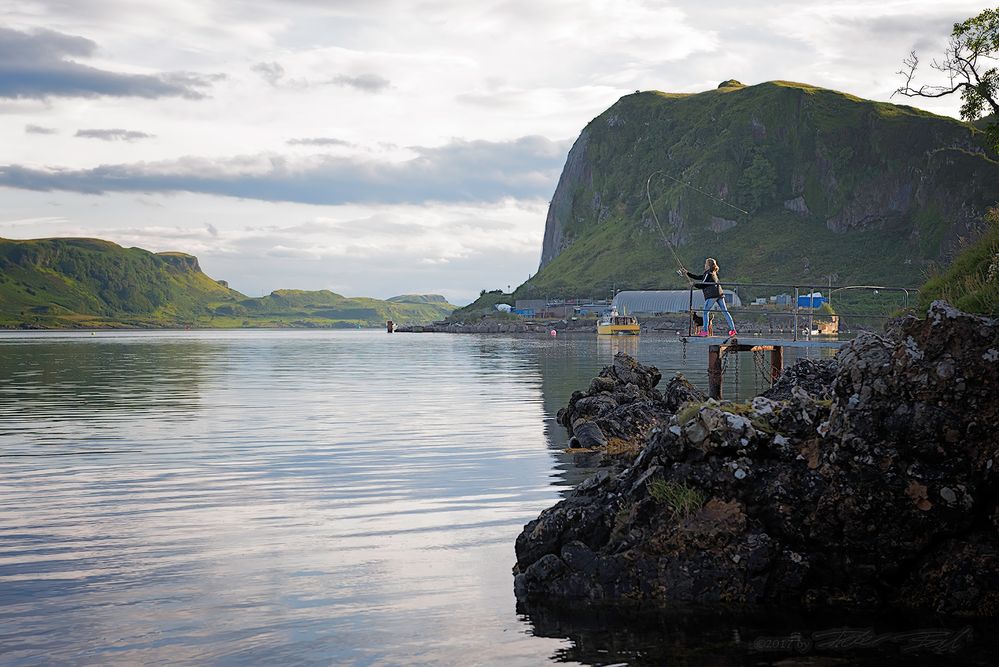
point(648, 194)
point(655, 216)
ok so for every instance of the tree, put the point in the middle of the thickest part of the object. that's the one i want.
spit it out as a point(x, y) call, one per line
point(757, 184)
point(973, 46)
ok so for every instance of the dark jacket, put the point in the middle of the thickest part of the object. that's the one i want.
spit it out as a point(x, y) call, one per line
point(708, 284)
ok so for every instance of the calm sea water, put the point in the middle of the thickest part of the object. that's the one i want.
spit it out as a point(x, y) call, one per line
point(296, 498)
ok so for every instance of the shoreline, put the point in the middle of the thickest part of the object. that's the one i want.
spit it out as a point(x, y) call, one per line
point(861, 481)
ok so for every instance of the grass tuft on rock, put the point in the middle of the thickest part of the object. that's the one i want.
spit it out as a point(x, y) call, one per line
point(681, 500)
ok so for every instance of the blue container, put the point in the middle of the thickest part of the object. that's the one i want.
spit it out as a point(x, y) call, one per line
point(809, 301)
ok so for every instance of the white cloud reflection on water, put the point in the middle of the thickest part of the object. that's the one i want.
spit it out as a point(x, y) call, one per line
point(319, 502)
point(301, 497)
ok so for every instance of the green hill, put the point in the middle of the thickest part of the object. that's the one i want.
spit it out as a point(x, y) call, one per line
point(835, 187)
point(89, 282)
point(418, 298)
point(66, 282)
point(485, 305)
point(315, 308)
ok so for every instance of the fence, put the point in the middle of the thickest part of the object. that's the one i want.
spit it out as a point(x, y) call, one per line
point(807, 293)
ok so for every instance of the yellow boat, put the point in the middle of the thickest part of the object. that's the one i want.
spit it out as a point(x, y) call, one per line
point(618, 325)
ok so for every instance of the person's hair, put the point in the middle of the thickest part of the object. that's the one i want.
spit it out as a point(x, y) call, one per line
point(712, 264)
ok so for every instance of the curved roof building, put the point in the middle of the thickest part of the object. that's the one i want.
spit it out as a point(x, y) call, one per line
point(664, 301)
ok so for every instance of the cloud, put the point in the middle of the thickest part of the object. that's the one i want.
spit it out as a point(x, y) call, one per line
point(457, 171)
point(369, 83)
point(115, 134)
point(37, 65)
point(38, 129)
point(272, 73)
point(318, 141)
point(276, 75)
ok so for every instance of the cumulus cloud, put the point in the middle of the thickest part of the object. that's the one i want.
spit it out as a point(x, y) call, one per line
point(272, 72)
point(369, 83)
point(114, 134)
point(38, 129)
point(318, 141)
point(41, 64)
point(457, 171)
point(276, 75)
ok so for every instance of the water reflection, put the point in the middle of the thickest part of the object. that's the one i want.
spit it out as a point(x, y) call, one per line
point(608, 346)
point(287, 496)
point(764, 636)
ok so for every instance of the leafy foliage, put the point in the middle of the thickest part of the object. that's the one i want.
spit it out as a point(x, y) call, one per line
point(973, 45)
point(758, 183)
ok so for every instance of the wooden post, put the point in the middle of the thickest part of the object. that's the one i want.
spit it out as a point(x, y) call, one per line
point(715, 372)
point(795, 336)
point(690, 313)
point(776, 362)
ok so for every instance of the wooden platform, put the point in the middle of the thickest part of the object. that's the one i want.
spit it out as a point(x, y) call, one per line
point(765, 342)
point(719, 346)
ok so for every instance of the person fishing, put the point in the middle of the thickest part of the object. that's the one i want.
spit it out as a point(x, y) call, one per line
point(712, 291)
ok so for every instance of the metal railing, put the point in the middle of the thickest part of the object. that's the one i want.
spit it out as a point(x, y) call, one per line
point(810, 289)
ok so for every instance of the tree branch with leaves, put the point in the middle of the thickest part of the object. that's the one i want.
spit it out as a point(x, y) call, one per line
point(969, 63)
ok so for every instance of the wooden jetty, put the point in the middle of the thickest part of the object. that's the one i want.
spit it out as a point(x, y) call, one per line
point(719, 346)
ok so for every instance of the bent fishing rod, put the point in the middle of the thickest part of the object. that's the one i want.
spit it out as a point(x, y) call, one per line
point(655, 216)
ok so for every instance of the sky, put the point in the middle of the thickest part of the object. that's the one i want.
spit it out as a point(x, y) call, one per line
point(376, 147)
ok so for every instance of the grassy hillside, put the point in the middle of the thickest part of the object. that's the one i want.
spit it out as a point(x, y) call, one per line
point(484, 305)
point(95, 283)
point(971, 283)
point(323, 308)
point(418, 298)
point(89, 282)
point(833, 185)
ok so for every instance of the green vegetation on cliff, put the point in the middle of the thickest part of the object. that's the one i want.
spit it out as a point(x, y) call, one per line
point(65, 282)
point(89, 282)
point(836, 187)
point(972, 281)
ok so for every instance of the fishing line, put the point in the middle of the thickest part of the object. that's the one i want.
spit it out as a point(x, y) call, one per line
point(655, 216)
point(648, 194)
point(706, 194)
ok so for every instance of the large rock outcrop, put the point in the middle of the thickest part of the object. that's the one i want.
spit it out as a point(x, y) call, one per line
point(829, 170)
point(878, 488)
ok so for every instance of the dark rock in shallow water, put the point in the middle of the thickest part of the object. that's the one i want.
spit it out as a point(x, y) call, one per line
point(623, 403)
point(588, 434)
point(873, 480)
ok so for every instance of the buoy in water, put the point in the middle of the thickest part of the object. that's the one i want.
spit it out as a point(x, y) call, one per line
point(553, 333)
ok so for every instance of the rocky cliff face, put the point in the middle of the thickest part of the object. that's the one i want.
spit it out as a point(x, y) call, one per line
point(575, 173)
point(866, 481)
point(833, 184)
point(182, 261)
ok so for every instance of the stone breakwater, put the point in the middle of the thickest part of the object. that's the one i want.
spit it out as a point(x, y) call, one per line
point(866, 481)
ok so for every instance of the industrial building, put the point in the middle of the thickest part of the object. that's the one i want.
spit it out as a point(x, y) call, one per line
point(664, 301)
